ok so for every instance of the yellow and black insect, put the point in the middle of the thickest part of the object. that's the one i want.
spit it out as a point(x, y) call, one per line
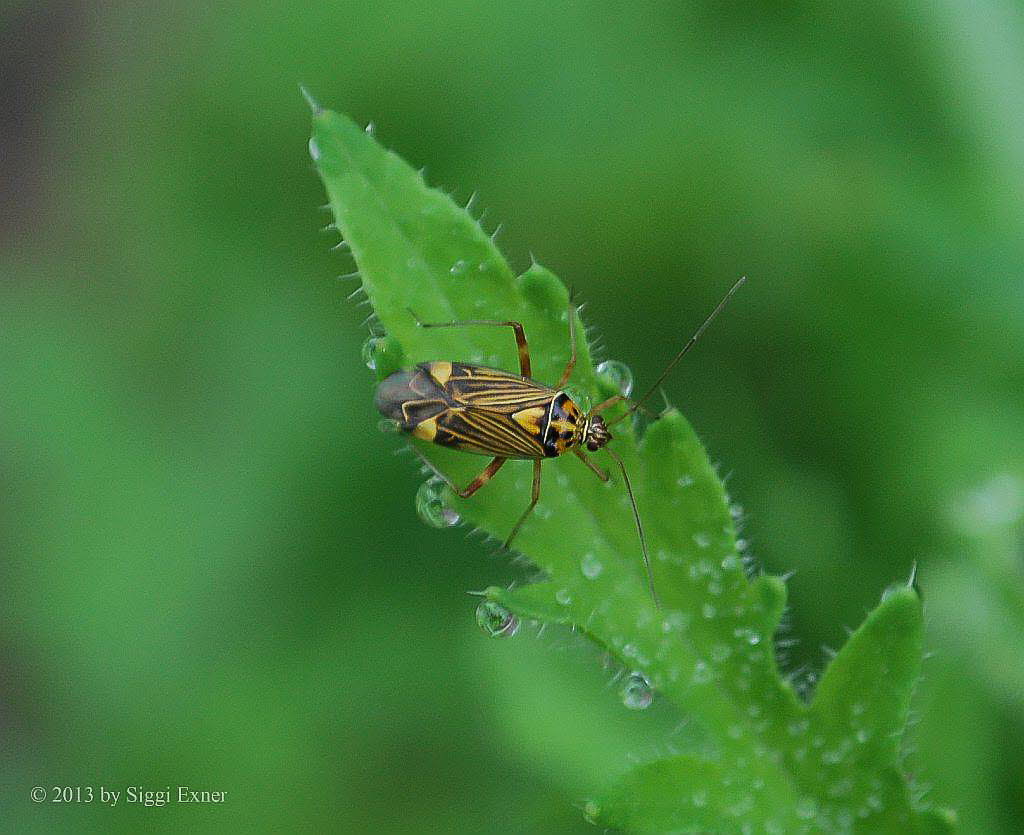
point(492, 412)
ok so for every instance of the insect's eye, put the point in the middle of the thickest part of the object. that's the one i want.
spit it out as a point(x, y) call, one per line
point(592, 446)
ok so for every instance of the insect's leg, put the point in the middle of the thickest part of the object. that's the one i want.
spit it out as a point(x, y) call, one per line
point(533, 503)
point(601, 474)
point(606, 404)
point(619, 398)
point(517, 328)
point(473, 486)
point(569, 366)
point(481, 479)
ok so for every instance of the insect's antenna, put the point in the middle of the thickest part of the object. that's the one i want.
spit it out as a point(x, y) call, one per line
point(639, 525)
point(693, 339)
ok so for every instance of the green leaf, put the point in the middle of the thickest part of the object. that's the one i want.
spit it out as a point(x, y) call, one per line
point(772, 762)
point(687, 794)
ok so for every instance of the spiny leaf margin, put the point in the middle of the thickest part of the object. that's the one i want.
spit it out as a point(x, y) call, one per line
point(781, 765)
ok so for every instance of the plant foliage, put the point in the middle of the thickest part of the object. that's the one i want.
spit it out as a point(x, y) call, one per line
point(767, 761)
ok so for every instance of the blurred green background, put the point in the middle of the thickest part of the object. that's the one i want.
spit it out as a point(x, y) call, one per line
point(211, 571)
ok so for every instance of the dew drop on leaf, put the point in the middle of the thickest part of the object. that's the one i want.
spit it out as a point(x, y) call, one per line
point(637, 693)
point(314, 150)
point(720, 653)
point(685, 481)
point(619, 374)
point(701, 673)
point(591, 566)
point(674, 622)
point(431, 507)
point(806, 808)
point(458, 268)
point(496, 620)
point(798, 728)
point(563, 596)
point(388, 426)
point(369, 352)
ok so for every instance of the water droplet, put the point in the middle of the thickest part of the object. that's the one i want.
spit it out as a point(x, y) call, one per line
point(708, 611)
point(369, 351)
point(701, 673)
point(720, 652)
point(496, 620)
point(591, 566)
point(863, 735)
point(483, 267)
point(314, 149)
point(749, 635)
point(699, 797)
point(619, 374)
point(741, 544)
point(731, 562)
point(389, 426)
point(685, 481)
point(674, 622)
point(458, 268)
point(591, 811)
point(637, 693)
point(431, 507)
point(736, 511)
point(563, 596)
point(806, 808)
point(701, 539)
point(714, 588)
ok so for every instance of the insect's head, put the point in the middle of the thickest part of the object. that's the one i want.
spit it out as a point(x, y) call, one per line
point(597, 434)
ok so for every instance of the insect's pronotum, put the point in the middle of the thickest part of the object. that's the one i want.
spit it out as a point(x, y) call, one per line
point(492, 412)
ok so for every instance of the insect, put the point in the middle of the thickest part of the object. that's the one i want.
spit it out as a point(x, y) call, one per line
point(488, 411)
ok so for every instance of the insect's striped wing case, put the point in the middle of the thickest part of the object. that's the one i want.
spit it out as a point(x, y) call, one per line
point(470, 408)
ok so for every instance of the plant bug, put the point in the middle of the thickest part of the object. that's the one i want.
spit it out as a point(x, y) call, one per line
point(487, 411)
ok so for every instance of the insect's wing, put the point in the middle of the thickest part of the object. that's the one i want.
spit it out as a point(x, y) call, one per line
point(491, 412)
